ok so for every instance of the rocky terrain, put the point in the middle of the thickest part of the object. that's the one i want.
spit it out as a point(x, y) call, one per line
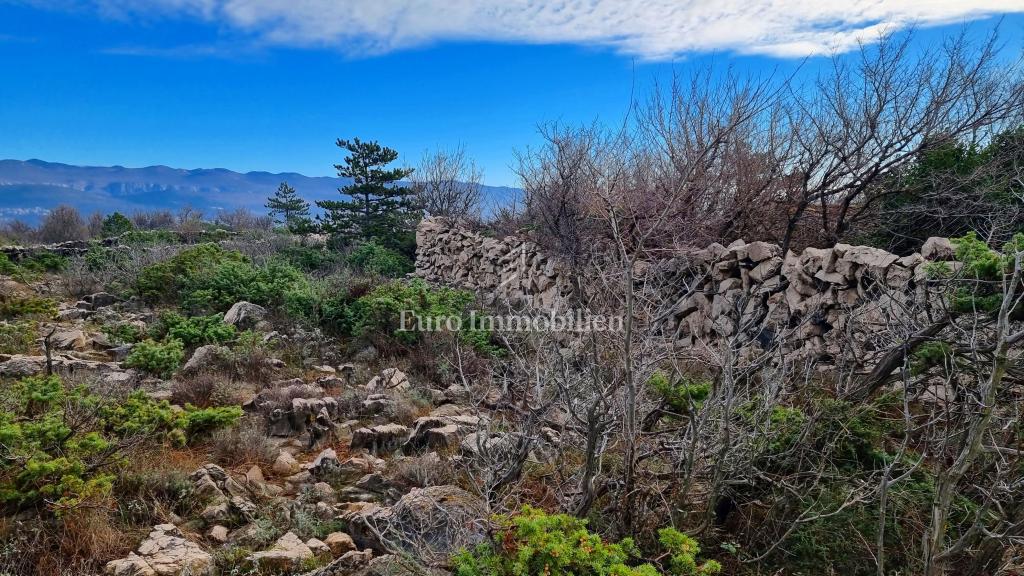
point(268, 436)
point(331, 462)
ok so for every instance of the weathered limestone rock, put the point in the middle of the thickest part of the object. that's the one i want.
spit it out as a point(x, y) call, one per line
point(286, 464)
point(165, 552)
point(287, 554)
point(69, 339)
point(208, 357)
point(938, 249)
point(318, 547)
point(254, 477)
point(389, 379)
point(440, 430)
point(218, 534)
point(245, 315)
point(19, 366)
point(382, 439)
point(101, 300)
point(339, 543)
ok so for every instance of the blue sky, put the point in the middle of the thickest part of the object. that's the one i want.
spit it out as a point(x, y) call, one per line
point(269, 85)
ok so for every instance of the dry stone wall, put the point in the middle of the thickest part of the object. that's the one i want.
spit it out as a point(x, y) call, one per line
point(832, 304)
point(510, 270)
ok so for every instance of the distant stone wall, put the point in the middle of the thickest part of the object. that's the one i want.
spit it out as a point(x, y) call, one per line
point(509, 270)
point(74, 248)
point(66, 249)
point(827, 304)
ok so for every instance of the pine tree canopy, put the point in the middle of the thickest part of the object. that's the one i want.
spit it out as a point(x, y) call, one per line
point(289, 209)
point(376, 206)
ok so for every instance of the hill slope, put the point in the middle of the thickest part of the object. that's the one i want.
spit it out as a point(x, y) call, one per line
point(29, 188)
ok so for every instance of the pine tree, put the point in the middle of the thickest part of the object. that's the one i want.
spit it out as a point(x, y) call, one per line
point(115, 225)
point(377, 208)
point(289, 209)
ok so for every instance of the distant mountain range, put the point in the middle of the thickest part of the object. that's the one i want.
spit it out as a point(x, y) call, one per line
point(30, 188)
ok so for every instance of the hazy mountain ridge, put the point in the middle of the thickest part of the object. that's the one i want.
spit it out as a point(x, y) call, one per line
point(28, 188)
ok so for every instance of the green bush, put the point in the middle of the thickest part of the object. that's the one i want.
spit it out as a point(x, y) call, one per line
point(28, 306)
point(196, 330)
point(8, 268)
point(163, 281)
point(983, 269)
point(372, 258)
point(139, 414)
point(116, 224)
point(202, 421)
point(122, 332)
point(680, 394)
point(59, 444)
point(31, 266)
point(159, 359)
point(379, 313)
point(930, 354)
point(311, 258)
point(44, 262)
point(17, 337)
point(45, 455)
point(229, 282)
point(534, 542)
point(149, 237)
point(207, 278)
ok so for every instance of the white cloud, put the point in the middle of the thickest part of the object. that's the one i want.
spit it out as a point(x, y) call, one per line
point(652, 29)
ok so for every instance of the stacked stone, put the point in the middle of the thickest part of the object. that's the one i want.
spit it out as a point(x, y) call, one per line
point(509, 270)
point(822, 303)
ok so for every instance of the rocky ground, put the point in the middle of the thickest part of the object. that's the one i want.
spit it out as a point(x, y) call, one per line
point(357, 450)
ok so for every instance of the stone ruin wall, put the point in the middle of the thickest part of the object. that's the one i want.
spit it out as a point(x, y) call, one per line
point(510, 270)
point(838, 305)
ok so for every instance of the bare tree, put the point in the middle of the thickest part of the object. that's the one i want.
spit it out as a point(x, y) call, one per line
point(243, 219)
point(62, 224)
point(96, 225)
point(153, 220)
point(448, 183)
point(190, 223)
point(19, 231)
point(868, 117)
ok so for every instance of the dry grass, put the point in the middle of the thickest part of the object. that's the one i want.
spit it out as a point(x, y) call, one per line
point(206, 389)
point(244, 445)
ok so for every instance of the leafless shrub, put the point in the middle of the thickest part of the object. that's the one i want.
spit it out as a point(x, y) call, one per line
point(422, 471)
point(62, 224)
point(116, 271)
point(153, 220)
point(252, 358)
point(19, 232)
point(189, 224)
point(717, 157)
point(559, 181)
point(243, 219)
point(95, 225)
point(204, 389)
point(448, 183)
point(261, 245)
point(244, 444)
point(409, 406)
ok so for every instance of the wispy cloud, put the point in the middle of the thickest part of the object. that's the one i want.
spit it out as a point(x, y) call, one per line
point(13, 212)
point(11, 38)
point(651, 29)
point(184, 51)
